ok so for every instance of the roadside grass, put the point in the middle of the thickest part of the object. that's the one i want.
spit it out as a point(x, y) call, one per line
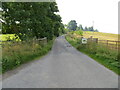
point(102, 54)
point(17, 53)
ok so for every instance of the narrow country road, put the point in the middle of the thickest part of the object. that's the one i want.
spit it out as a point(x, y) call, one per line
point(63, 67)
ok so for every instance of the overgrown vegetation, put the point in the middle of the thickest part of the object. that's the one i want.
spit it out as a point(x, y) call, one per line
point(17, 53)
point(102, 54)
point(24, 23)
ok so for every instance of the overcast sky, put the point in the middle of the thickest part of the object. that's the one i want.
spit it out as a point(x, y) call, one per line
point(104, 13)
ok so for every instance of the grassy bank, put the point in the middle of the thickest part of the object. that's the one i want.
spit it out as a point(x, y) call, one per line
point(17, 53)
point(107, 57)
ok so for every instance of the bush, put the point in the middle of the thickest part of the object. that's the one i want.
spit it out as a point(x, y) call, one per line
point(79, 32)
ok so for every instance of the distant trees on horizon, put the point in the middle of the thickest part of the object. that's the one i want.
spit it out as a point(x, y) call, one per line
point(72, 25)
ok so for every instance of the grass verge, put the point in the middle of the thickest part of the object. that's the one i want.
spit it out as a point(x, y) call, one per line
point(15, 54)
point(105, 56)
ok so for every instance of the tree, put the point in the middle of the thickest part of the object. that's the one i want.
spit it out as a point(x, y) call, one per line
point(72, 25)
point(31, 19)
point(80, 27)
point(65, 25)
point(90, 28)
point(96, 30)
point(86, 29)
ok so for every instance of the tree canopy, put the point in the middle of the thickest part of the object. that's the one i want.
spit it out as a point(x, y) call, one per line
point(90, 29)
point(31, 19)
point(80, 27)
point(72, 25)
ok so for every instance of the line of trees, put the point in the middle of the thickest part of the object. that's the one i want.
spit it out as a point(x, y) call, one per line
point(31, 19)
point(72, 25)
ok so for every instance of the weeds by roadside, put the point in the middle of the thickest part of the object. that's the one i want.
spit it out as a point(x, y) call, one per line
point(17, 53)
point(102, 54)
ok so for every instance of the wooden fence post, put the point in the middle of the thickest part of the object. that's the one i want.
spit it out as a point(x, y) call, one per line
point(95, 40)
point(107, 42)
point(116, 45)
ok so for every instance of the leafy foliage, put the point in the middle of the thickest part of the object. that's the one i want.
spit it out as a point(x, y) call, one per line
point(79, 32)
point(72, 25)
point(31, 19)
point(80, 27)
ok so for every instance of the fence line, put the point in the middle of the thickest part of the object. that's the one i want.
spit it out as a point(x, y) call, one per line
point(108, 43)
point(40, 40)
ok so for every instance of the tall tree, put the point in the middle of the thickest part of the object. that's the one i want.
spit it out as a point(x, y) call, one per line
point(90, 29)
point(85, 29)
point(31, 19)
point(72, 25)
point(80, 27)
point(96, 30)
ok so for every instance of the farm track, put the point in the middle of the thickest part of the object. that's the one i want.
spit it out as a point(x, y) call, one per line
point(63, 67)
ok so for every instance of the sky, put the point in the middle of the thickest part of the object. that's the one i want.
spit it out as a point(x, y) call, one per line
point(102, 14)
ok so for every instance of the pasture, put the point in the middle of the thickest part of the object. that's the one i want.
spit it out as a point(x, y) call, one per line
point(108, 39)
point(101, 36)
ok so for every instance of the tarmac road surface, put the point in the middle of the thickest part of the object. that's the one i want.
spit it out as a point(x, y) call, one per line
point(62, 67)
